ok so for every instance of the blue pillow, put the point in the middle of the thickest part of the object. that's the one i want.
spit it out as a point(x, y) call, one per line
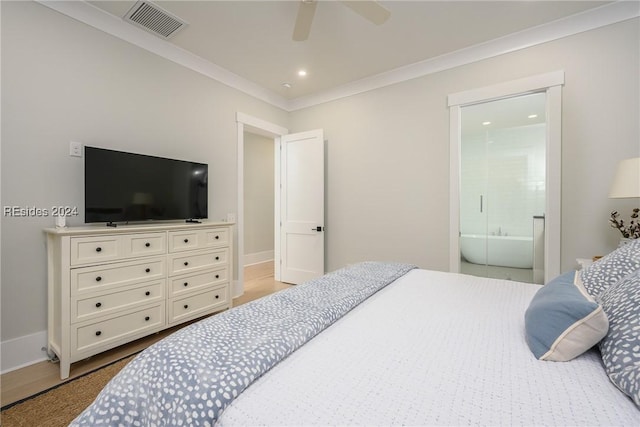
point(621, 347)
point(562, 322)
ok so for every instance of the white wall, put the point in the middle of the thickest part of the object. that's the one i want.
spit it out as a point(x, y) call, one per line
point(64, 81)
point(258, 198)
point(388, 150)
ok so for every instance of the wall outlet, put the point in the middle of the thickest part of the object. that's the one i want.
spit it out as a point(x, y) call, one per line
point(231, 217)
point(75, 149)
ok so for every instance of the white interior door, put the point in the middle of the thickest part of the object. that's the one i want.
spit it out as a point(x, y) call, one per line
point(302, 206)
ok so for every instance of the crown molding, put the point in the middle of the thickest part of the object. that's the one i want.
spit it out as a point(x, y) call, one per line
point(574, 24)
point(110, 24)
point(591, 19)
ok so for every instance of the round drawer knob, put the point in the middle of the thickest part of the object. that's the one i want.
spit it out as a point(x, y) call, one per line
point(186, 306)
point(217, 296)
point(147, 244)
point(147, 293)
point(186, 240)
point(217, 276)
point(217, 258)
point(217, 237)
point(98, 304)
point(186, 283)
point(147, 318)
point(147, 270)
point(98, 249)
point(98, 333)
point(98, 279)
point(186, 263)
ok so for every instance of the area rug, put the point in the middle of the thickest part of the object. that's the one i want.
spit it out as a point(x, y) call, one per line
point(58, 406)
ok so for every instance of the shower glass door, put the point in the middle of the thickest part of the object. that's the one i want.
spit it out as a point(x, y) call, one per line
point(502, 185)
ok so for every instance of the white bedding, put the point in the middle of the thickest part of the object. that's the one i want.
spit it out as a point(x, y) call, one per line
point(432, 348)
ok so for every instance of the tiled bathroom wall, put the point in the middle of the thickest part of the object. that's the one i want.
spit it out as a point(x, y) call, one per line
point(506, 168)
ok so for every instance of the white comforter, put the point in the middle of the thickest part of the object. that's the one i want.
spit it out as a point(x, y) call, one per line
point(432, 348)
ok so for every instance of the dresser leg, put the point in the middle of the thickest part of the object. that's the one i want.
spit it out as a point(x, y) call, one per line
point(65, 367)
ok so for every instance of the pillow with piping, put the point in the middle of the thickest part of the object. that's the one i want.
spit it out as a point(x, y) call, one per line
point(562, 321)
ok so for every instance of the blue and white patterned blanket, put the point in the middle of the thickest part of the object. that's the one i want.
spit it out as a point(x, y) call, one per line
point(188, 378)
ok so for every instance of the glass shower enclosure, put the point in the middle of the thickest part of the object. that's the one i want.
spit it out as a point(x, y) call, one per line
point(502, 187)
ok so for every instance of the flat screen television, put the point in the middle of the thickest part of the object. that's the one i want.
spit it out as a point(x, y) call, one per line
point(127, 187)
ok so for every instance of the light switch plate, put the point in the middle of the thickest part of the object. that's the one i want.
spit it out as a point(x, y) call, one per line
point(75, 149)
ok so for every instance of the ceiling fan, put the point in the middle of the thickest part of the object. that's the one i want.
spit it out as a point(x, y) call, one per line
point(370, 10)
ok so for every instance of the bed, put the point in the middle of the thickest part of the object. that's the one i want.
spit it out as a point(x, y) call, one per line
point(378, 344)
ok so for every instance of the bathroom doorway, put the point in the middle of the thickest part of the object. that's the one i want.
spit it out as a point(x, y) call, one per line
point(505, 175)
point(502, 186)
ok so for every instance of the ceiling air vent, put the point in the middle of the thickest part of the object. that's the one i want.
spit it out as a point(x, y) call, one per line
point(154, 19)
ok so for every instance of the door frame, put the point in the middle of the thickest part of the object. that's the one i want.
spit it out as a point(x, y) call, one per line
point(551, 84)
point(247, 123)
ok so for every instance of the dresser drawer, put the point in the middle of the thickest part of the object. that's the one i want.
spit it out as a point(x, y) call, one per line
point(146, 244)
point(107, 333)
point(101, 305)
point(106, 277)
point(192, 282)
point(92, 250)
point(215, 237)
point(200, 304)
point(197, 261)
point(180, 241)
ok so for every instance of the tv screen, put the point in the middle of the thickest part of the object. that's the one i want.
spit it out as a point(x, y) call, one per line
point(123, 187)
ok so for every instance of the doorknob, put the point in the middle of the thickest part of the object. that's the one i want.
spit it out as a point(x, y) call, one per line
point(318, 229)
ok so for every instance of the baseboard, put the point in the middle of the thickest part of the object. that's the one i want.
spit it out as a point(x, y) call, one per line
point(258, 257)
point(236, 289)
point(23, 351)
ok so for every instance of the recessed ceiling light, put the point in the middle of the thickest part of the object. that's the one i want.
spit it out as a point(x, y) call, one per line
point(486, 123)
point(287, 85)
point(532, 116)
point(302, 73)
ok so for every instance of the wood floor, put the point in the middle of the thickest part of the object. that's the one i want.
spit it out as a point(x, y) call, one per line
point(25, 382)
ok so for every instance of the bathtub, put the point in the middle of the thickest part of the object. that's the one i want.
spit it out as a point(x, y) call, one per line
point(504, 251)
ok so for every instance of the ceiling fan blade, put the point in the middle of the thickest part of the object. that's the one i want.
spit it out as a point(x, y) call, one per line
point(370, 10)
point(306, 10)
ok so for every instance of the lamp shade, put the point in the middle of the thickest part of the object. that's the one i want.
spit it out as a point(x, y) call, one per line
point(627, 180)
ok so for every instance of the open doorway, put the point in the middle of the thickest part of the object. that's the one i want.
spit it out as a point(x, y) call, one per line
point(259, 199)
point(272, 132)
point(547, 264)
point(298, 208)
point(502, 187)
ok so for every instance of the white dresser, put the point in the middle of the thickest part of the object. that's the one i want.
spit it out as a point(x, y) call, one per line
point(111, 285)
